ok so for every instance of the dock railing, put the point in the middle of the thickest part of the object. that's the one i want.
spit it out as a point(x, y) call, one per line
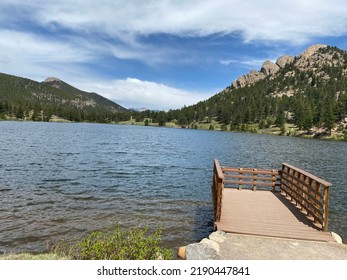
point(308, 192)
point(217, 189)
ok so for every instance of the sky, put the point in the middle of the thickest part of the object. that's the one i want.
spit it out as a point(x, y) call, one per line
point(159, 54)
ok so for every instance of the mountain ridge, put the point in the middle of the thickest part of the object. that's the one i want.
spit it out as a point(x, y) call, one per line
point(23, 98)
point(270, 69)
point(301, 95)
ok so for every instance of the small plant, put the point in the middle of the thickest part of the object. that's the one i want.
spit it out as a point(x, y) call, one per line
point(133, 244)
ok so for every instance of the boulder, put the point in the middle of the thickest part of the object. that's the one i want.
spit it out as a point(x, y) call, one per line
point(218, 236)
point(269, 68)
point(284, 60)
point(201, 251)
point(337, 237)
point(181, 252)
point(213, 244)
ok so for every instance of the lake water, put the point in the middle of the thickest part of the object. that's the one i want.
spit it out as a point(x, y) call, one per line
point(60, 181)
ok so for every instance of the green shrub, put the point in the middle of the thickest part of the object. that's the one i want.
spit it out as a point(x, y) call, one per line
point(133, 244)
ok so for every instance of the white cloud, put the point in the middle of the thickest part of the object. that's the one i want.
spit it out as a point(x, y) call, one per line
point(35, 57)
point(134, 92)
point(293, 21)
point(228, 61)
point(89, 30)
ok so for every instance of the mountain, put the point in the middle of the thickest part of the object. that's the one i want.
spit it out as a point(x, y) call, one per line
point(305, 94)
point(23, 98)
point(94, 98)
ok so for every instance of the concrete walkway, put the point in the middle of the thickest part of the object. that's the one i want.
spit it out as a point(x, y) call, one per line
point(246, 247)
point(230, 246)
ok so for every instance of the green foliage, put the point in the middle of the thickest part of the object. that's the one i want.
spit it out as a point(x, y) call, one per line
point(211, 127)
point(133, 244)
point(19, 96)
point(224, 127)
point(345, 135)
point(316, 101)
point(262, 124)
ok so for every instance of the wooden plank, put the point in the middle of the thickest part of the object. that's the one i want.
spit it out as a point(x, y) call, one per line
point(250, 177)
point(253, 183)
point(249, 171)
point(218, 169)
point(268, 214)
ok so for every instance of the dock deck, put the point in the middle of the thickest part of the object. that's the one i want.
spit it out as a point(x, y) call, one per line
point(271, 213)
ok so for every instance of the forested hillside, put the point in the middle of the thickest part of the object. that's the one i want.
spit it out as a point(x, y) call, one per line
point(302, 95)
point(307, 93)
point(26, 99)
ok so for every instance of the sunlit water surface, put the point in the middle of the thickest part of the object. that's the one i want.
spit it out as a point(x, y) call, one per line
point(60, 181)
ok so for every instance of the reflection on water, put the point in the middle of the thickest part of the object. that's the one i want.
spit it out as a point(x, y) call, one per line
point(59, 181)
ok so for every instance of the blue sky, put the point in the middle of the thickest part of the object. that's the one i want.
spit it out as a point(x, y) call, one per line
point(159, 54)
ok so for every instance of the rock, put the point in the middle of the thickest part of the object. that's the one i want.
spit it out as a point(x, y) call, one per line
point(211, 243)
point(201, 251)
point(337, 237)
point(284, 60)
point(269, 68)
point(311, 50)
point(218, 236)
point(181, 252)
point(51, 79)
point(249, 79)
point(313, 57)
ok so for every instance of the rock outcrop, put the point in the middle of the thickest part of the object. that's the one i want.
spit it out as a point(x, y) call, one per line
point(311, 51)
point(52, 79)
point(284, 60)
point(310, 59)
point(248, 79)
point(269, 68)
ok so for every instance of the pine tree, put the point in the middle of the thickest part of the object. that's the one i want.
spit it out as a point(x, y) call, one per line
point(329, 118)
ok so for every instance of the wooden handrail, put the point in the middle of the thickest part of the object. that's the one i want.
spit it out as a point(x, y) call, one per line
point(217, 189)
point(242, 177)
point(319, 180)
point(308, 192)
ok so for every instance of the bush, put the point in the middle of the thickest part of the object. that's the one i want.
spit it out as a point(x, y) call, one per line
point(133, 244)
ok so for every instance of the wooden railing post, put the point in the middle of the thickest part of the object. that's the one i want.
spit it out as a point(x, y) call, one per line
point(326, 207)
point(217, 189)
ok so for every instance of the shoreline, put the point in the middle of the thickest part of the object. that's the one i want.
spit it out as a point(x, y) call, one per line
point(291, 131)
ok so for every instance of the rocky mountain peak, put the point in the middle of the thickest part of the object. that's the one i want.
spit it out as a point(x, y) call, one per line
point(269, 68)
point(282, 61)
point(311, 50)
point(312, 59)
point(52, 79)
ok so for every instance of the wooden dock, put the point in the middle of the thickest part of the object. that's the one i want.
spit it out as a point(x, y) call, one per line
point(286, 203)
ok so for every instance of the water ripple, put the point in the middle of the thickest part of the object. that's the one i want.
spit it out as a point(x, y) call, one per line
point(61, 181)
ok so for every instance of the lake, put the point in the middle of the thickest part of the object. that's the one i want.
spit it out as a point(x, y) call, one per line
point(62, 180)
